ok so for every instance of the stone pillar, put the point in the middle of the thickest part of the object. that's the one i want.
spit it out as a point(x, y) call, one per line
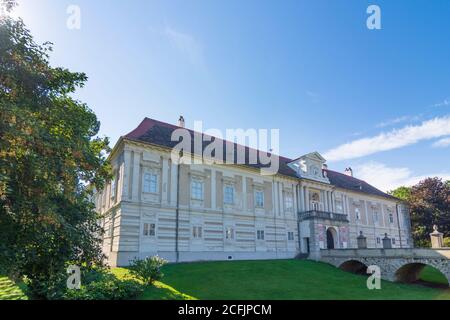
point(362, 241)
point(302, 198)
point(437, 238)
point(307, 199)
point(387, 243)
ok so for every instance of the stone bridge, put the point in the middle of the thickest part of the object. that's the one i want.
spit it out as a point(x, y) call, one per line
point(403, 265)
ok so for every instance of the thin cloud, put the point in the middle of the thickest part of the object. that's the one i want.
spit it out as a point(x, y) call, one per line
point(442, 143)
point(444, 103)
point(389, 178)
point(397, 138)
point(397, 120)
point(187, 45)
point(315, 97)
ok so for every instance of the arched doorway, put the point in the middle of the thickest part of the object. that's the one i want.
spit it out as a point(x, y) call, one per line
point(331, 238)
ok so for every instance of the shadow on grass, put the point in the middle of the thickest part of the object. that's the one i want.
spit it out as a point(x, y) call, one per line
point(159, 291)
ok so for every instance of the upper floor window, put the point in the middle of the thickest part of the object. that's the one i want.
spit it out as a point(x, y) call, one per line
point(378, 240)
point(391, 218)
point(229, 233)
point(150, 183)
point(357, 214)
point(393, 240)
point(113, 187)
point(315, 206)
point(260, 234)
point(288, 202)
point(339, 206)
point(149, 230)
point(259, 199)
point(197, 189)
point(228, 194)
point(197, 232)
point(290, 235)
point(375, 217)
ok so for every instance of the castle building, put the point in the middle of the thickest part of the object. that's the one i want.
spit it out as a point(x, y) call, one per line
point(211, 211)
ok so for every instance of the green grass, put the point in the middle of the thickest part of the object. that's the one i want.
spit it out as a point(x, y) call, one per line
point(274, 279)
point(430, 274)
point(10, 290)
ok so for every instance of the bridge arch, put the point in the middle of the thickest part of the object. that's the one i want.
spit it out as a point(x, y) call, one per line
point(410, 272)
point(354, 266)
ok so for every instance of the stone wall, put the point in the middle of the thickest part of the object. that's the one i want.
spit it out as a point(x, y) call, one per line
point(395, 264)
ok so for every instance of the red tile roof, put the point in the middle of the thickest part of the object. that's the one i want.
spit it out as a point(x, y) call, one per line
point(160, 133)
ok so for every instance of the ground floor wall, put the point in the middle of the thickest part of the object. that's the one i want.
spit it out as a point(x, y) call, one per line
point(202, 234)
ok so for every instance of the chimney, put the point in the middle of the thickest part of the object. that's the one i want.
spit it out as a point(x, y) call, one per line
point(181, 122)
point(349, 171)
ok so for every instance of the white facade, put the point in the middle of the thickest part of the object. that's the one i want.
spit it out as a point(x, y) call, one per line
point(232, 212)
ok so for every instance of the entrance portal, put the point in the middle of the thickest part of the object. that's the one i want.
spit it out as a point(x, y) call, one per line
point(330, 239)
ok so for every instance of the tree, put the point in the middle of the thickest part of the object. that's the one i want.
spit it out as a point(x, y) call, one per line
point(430, 205)
point(402, 193)
point(50, 162)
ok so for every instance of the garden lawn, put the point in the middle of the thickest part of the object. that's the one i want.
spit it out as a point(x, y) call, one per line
point(275, 279)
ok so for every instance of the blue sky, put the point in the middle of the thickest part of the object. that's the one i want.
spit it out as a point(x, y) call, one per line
point(376, 100)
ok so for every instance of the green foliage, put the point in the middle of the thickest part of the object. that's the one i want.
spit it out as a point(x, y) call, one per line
point(50, 162)
point(430, 205)
point(447, 242)
point(103, 285)
point(402, 193)
point(148, 270)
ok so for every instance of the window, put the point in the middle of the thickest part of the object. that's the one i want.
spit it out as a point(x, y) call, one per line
point(391, 218)
point(197, 190)
point(150, 183)
point(229, 233)
point(378, 240)
point(375, 216)
point(149, 230)
point(197, 232)
point(339, 206)
point(288, 202)
point(393, 240)
point(113, 188)
point(259, 199)
point(357, 214)
point(315, 206)
point(290, 236)
point(228, 196)
point(260, 234)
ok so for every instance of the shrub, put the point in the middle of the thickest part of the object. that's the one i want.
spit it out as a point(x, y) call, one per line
point(148, 270)
point(447, 242)
point(103, 285)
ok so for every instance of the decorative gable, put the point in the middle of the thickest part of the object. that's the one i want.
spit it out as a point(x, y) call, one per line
point(310, 166)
